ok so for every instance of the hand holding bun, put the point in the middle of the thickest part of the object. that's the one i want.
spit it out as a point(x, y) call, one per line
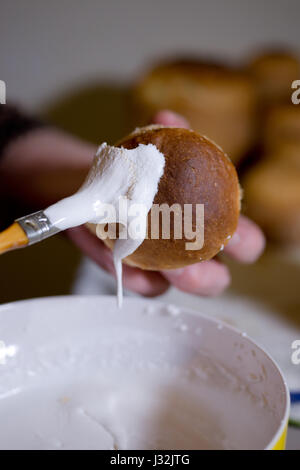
point(196, 172)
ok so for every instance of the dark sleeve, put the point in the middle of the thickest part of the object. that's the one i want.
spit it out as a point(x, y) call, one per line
point(14, 123)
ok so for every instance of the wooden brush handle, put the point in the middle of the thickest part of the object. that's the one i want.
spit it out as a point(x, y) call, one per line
point(13, 237)
point(32, 228)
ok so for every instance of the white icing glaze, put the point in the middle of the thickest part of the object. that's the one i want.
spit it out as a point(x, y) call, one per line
point(117, 175)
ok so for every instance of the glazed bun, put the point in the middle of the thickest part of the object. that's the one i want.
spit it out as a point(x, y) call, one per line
point(272, 198)
point(273, 73)
point(218, 101)
point(196, 172)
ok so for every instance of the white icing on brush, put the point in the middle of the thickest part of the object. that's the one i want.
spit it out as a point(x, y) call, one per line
point(116, 173)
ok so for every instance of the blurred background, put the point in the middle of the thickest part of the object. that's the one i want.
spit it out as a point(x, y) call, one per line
point(98, 68)
point(49, 47)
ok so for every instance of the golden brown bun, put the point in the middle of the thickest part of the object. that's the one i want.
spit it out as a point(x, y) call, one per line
point(282, 126)
point(274, 73)
point(272, 199)
point(196, 171)
point(218, 101)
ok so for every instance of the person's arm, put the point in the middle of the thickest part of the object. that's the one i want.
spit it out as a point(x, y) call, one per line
point(14, 123)
point(44, 165)
point(39, 164)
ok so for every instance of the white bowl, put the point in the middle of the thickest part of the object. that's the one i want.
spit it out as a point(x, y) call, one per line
point(77, 373)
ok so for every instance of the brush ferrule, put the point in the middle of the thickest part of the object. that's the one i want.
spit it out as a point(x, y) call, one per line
point(37, 227)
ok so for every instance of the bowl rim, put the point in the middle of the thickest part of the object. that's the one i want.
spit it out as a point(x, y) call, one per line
point(191, 311)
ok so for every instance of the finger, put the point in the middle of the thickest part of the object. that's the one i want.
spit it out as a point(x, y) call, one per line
point(248, 242)
point(147, 283)
point(208, 278)
point(169, 118)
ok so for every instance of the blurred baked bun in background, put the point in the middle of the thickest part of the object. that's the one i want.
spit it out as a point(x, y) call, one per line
point(273, 73)
point(272, 186)
point(272, 197)
point(218, 101)
point(285, 152)
point(282, 126)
